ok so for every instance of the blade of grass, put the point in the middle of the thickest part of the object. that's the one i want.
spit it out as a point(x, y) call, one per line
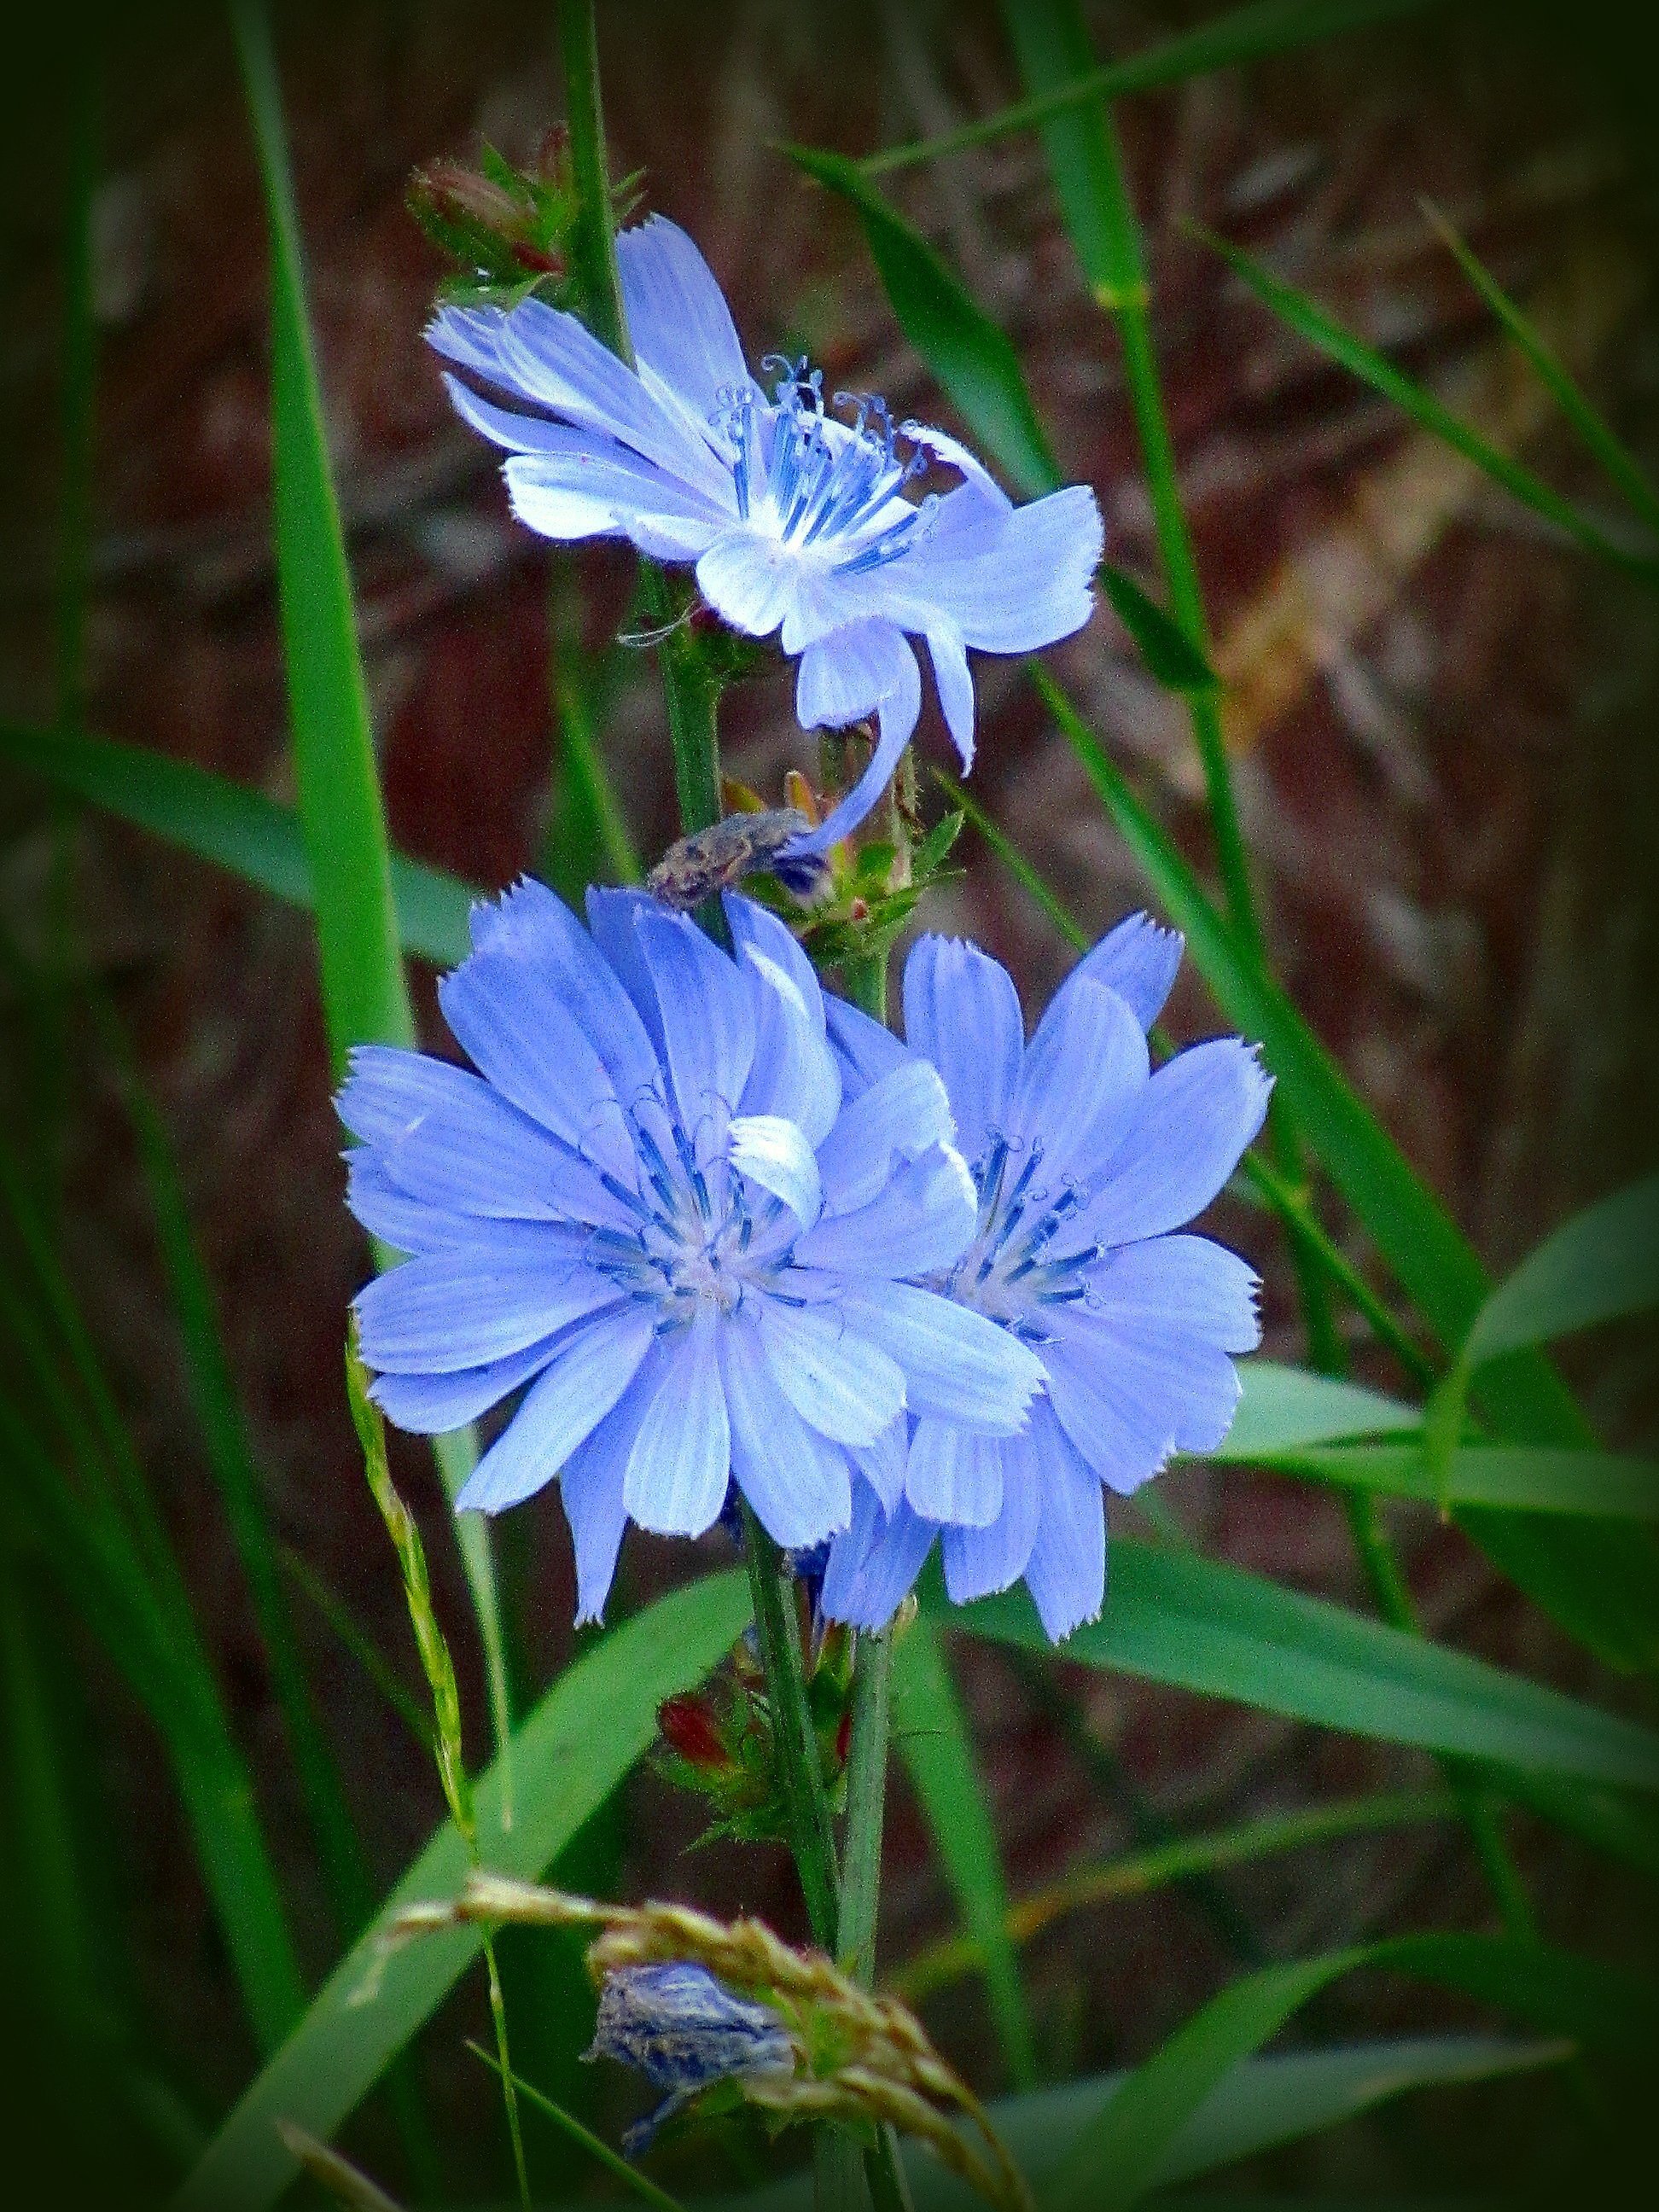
point(1200, 1624)
point(230, 1455)
point(934, 1742)
point(1602, 1588)
point(1139, 1872)
point(1511, 1478)
point(1310, 321)
point(365, 993)
point(1246, 34)
point(1619, 463)
point(256, 838)
point(161, 1657)
point(571, 1752)
point(588, 839)
point(1115, 2157)
point(638, 2185)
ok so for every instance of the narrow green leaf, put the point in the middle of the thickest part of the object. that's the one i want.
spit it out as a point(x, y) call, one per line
point(569, 1755)
point(931, 1730)
point(1117, 2156)
point(1310, 321)
point(1255, 2106)
point(1603, 1587)
point(1247, 35)
point(1620, 465)
point(1601, 1265)
point(1200, 1624)
point(364, 993)
point(1511, 1478)
point(972, 359)
point(1281, 1409)
point(1167, 650)
point(1624, 1828)
point(223, 822)
point(213, 1395)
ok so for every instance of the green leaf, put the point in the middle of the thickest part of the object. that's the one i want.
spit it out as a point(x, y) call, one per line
point(242, 830)
point(1283, 1408)
point(931, 1730)
point(569, 1755)
point(1601, 1587)
point(1117, 2156)
point(1310, 321)
point(364, 993)
point(1602, 1265)
point(1167, 650)
point(1616, 460)
point(971, 357)
point(1255, 2106)
point(1200, 1624)
point(1511, 1478)
point(1246, 34)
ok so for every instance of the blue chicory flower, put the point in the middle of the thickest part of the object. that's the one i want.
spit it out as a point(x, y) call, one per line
point(797, 521)
point(1087, 1165)
point(651, 1209)
point(683, 2030)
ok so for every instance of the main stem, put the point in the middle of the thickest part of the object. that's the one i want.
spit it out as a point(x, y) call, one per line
point(693, 731)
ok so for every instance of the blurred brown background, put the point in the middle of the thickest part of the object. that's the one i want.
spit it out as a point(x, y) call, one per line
point(1442, 733)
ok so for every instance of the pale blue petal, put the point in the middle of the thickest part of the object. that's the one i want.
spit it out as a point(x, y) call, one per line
point(568, 503)
point(753, 929)
point(956, 1365)
point(1186, 1283)
point(463, 1307)
point(387, 1211)
point(591, 1489)
point(1193, 1120)
point(953, 1474)
point(956, 685)
point(796, 1480)
point(682, 1456)
point(1084, 1073)
point(1138, 961)
point(432, 1404)
point(1065, 1573)
point(866, 1050)
point(1028, 588)
point(774, 1153)
point(896, 1118)
point(707, 1013)
point(555, 360)
point(678, 319)
point(1125, 1437)
point(591, 1367)
point(922, 1221)
point(469, 337)
point(978, 1561)
point(532, 925)
point(475, 1155)
point(881, 1463)
point(751, 581)
point(839, 1381)
point(1162, 1380)
point(389, 1090)
point(794, 1072)
point(872, 1567)
point(961, 1013)
point(866, 668)
point(611, 914)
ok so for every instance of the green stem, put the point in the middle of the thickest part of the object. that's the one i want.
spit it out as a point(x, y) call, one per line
point(801, 1768)
point(866, 1800)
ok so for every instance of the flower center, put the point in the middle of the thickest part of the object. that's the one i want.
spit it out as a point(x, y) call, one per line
point(690, 1244)
point(807, 479)
point(1008, 1273)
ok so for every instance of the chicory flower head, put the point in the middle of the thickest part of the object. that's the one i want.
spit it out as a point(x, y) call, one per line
point(1086, 1164)
point(683, 2030)
point(652, 1207)
point(799, 518)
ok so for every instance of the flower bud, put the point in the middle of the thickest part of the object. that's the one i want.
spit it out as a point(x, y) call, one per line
point(688, 1727)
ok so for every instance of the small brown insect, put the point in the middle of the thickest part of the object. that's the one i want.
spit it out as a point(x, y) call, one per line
point(715, 859)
